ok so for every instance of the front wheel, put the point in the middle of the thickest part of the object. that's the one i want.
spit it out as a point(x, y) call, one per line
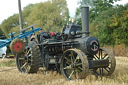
point(105, 54)
point(29, 60)
point(74, 64)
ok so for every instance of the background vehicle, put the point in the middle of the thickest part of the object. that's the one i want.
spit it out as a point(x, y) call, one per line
point(3, 52)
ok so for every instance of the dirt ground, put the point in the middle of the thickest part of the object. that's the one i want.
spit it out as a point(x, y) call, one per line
point(9, 75)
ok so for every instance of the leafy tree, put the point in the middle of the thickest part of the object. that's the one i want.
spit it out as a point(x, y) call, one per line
point(102, 28)
point(120, 26)
point(111, 26)
point(10, 23)
point(49, 15)
point(97, 7)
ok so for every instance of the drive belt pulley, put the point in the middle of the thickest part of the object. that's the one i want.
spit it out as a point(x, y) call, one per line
point(17, 46)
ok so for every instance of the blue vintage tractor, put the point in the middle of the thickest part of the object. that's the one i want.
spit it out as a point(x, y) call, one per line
point(17, 43)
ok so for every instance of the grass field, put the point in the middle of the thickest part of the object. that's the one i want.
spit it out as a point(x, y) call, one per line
point(9, 75)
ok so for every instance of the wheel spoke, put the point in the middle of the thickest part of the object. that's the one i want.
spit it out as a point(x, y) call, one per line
point(77, 58)
point(28, 52)
point(96, 56)
point(71, 74)
point(77, 77)
point(68, 63)
point(95, 71)
point(67, 59)
point(79, 64)
point(106, 69)
point(29, 55)
point(100, 71)
point(80, 68)
point(68, 67)
point(101, 54)
point(21, 59)
point(105, 56)
point(71, 60)
point(73, 56)
point(26, 68)
point(24, 65)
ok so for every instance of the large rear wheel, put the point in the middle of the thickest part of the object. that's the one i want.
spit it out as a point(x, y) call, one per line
point(74, 64)
point(29, 60)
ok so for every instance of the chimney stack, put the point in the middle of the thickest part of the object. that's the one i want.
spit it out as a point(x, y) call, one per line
point(85, 19)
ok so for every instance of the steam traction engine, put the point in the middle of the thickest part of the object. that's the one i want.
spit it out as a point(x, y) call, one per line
point(73, 53)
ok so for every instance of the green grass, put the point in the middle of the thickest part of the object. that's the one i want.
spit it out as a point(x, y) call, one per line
point(9, 63)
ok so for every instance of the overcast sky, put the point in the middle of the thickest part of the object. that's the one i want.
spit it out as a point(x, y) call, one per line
point(9, 7)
